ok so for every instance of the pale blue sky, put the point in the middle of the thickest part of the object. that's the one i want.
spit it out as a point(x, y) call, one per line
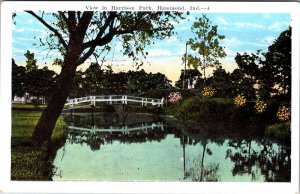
point(243, 33)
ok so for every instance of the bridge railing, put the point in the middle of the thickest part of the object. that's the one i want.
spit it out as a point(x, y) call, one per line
point(126, 129)
point(124, 99)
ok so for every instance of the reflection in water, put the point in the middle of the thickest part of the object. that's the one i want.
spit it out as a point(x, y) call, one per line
point(111, 146)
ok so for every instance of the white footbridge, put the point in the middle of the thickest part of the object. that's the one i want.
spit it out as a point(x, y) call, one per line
point(125, 129)
point(113, 99)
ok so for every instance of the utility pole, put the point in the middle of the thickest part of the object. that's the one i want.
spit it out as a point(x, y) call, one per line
point(185, 57)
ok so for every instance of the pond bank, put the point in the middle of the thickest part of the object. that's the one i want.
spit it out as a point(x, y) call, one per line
point(31, 162)
point(206, 111)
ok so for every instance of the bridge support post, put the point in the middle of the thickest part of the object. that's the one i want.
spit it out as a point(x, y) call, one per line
point(162, 102)
point(110, 101)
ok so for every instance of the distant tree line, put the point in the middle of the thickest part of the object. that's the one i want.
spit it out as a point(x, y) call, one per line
point(258, 74)
point(96, 81)
point(39, 83)
point(30, 81)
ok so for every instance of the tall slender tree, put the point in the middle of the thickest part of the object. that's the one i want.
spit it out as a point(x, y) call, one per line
point(78, 35)
point(206, 43)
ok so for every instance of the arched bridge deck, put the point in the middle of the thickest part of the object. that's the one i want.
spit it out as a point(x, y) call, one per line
point(110, 99)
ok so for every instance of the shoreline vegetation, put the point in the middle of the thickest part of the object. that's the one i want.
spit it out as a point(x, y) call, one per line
point(30, 162)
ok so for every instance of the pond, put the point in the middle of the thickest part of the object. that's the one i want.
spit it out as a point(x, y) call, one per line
point(114, 146)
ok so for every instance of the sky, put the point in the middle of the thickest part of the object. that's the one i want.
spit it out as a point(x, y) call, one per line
point(244, 32)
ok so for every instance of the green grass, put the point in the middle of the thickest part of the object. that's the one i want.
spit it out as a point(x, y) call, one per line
point(29, 162)
point(26, 107)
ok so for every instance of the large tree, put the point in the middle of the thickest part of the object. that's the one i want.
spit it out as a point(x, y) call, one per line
point(276, 68)
point(221, 82)
point(249, 66)
point(78, 35)
point(271, 71)
point(206, 44)
point(93, 78)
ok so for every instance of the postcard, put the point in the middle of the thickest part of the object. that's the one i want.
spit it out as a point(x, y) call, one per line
point(150, 97)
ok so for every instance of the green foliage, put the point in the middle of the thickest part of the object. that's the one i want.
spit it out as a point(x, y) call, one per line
point(280, 131)
point(30, 62)
point(276, 68)
point(29, 162)
point(207, 45)
point(95, 81)
point(270, 70)
point(135, 30)
point(32, 80)
point(18, 80)
point(249, 68)
point(221, 82)
point(140, 82)
point(188, 77)
point(205, 110)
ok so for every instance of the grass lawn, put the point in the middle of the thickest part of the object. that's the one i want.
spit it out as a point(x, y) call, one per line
point(28, 162)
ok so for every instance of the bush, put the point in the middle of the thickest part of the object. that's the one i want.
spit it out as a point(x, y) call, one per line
point(203, 109)
point(280, 131)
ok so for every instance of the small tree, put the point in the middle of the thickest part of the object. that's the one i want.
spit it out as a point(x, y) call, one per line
point(206, 43)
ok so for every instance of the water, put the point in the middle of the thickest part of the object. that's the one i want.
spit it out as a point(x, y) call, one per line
point(144, 147)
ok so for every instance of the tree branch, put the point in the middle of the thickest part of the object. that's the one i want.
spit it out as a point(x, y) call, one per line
point(57, 34)
point(72, 18)
point(84, 22)
point(66, 20)
point(107, 23)
point(105, 40)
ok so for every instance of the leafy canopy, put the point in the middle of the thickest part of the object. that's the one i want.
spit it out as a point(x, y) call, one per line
point(96, 30)
point(206, 43)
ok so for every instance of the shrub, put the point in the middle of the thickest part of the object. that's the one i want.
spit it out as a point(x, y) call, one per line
point(284, 113)
point(202, 109)
point(208, 92)
point(260, 106)
point(240, 101)
point(280, 131)
point(175, 97)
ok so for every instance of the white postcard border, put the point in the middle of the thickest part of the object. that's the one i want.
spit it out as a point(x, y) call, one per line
point(142, 187)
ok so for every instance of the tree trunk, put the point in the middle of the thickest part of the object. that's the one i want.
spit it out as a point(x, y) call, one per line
point(202, 162)
point(44, 128)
